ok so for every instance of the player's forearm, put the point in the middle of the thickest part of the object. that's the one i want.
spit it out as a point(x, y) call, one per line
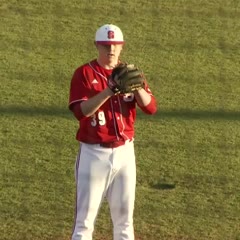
point(146, 102)
point(90, 106)
point(142, 97)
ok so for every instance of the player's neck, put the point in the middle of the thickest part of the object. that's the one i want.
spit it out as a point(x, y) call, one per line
point(107, 64)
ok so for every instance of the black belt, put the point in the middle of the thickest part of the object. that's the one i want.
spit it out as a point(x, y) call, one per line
point(112, 144)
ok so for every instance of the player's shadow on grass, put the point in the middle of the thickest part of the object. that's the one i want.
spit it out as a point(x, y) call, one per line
point(193, 115)
point(56, 111)
point(53, 111)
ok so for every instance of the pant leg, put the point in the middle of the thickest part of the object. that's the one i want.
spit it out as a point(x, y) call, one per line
point(92, 176)
point(121, 194)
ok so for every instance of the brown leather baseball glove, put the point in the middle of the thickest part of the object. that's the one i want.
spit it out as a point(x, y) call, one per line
point(126, 78)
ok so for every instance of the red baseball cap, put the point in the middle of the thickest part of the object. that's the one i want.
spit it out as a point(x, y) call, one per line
point(109, 34)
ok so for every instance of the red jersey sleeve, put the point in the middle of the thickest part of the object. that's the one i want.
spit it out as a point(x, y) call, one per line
point(151, 108)
point(79, 88)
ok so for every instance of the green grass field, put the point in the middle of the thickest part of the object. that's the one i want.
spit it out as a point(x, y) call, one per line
point(188, 154)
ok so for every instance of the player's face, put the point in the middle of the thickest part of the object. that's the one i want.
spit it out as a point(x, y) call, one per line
point(109, 52)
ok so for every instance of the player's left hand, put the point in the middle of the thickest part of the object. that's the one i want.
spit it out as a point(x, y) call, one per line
point(126, 78)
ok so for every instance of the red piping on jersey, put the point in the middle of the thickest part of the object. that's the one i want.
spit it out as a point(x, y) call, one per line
point(114, 119)
point(120, 107)
point(76, 101)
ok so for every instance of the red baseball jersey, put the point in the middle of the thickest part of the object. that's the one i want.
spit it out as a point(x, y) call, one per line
point(114, 120)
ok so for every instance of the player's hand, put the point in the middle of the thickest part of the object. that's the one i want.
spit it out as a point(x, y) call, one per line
point(113, 84)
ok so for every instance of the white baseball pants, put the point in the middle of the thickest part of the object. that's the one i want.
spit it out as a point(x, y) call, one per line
point(105, 172)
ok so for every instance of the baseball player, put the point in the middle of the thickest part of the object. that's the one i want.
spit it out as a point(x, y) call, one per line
point(105, 165)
